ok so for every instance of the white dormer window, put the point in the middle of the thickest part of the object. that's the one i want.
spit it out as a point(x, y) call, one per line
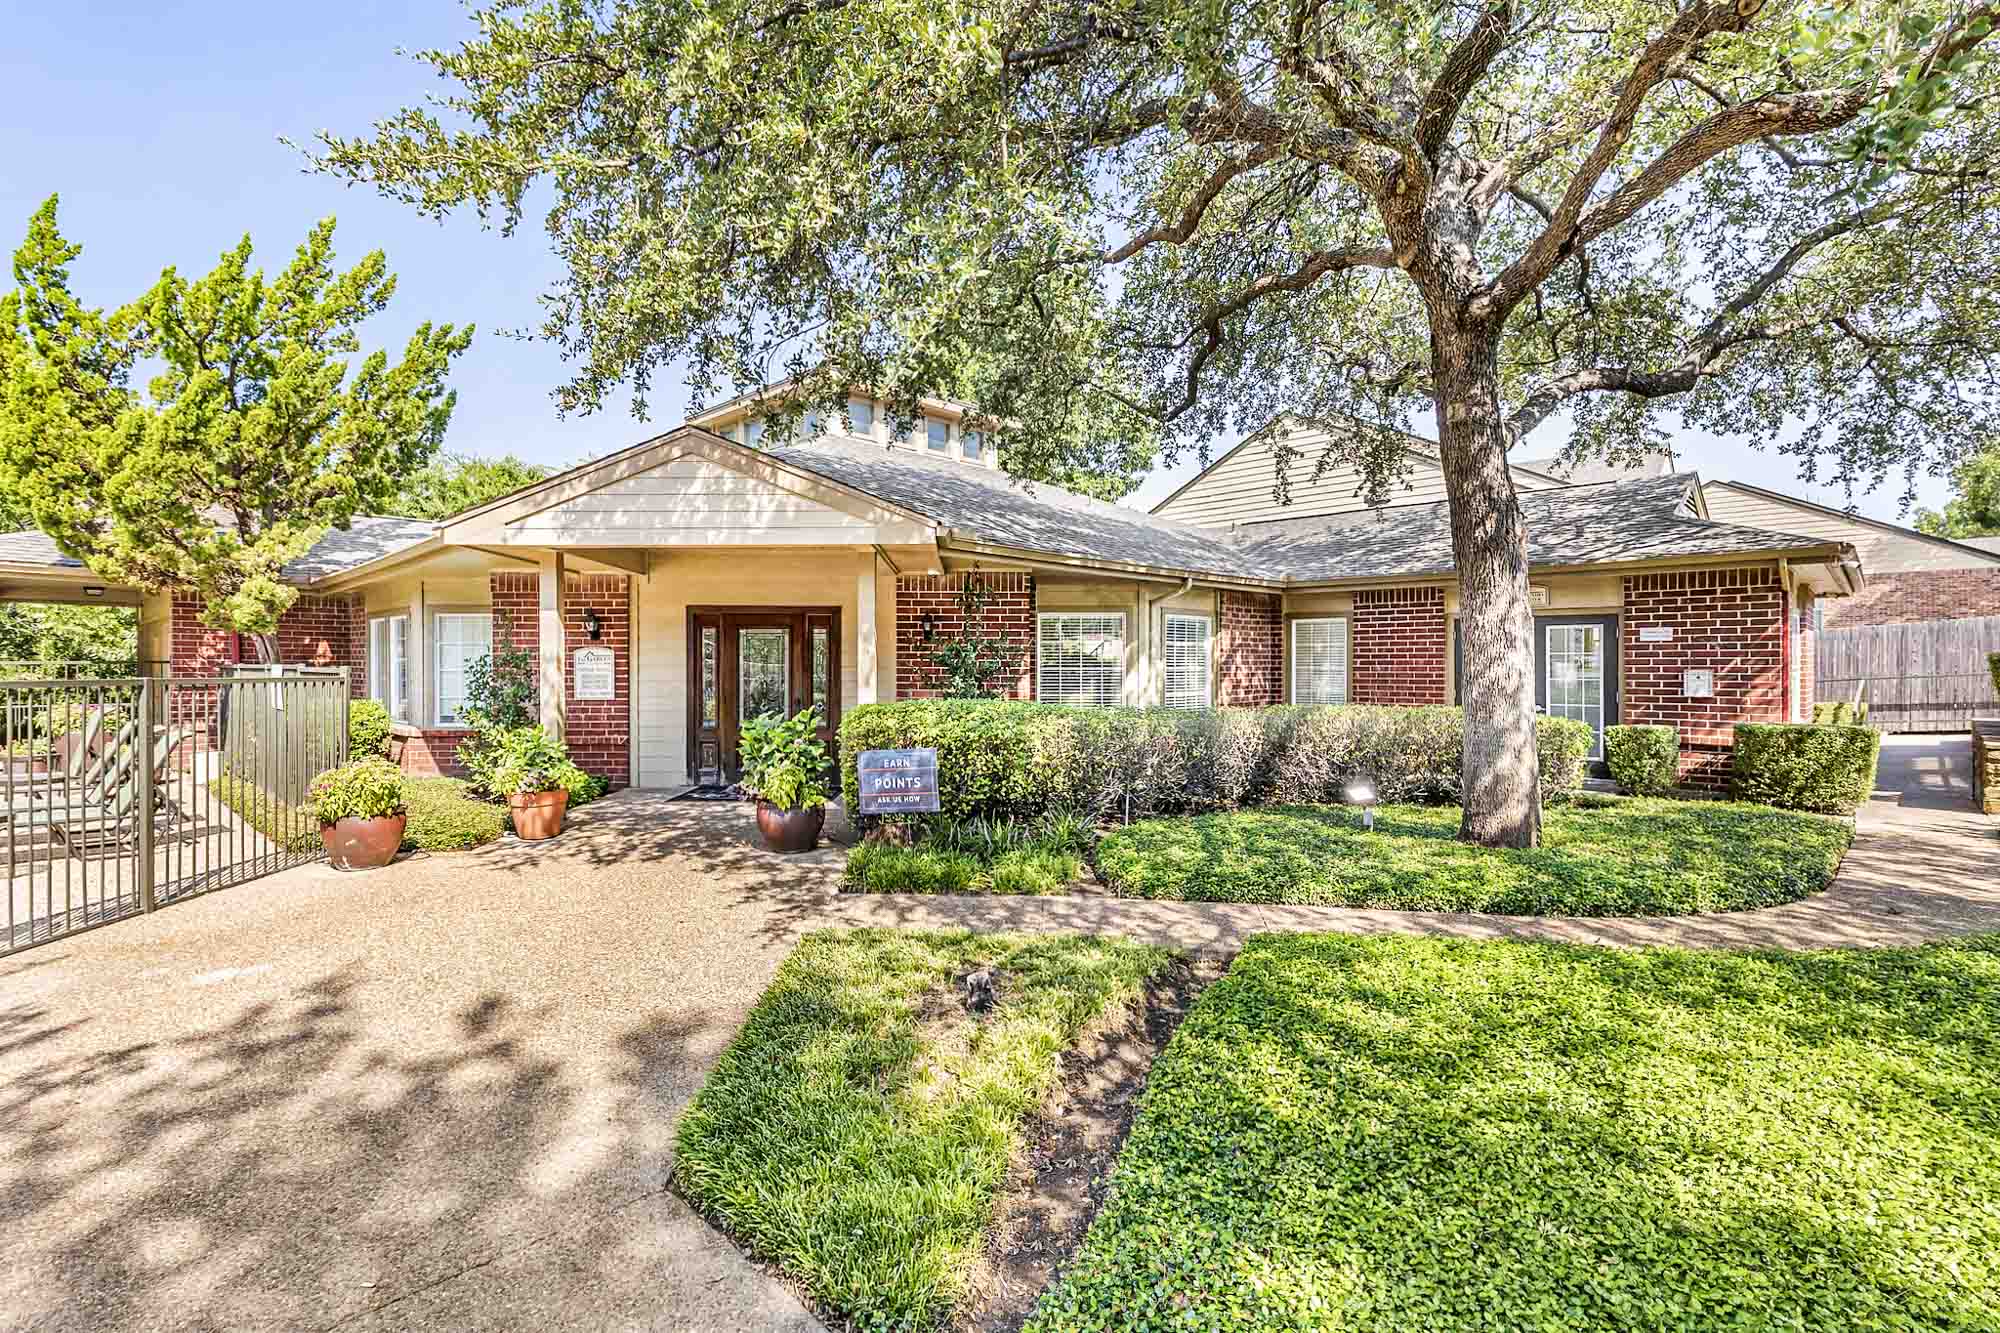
point(809, 428)
point(861, 413)
point(973, 443)
point(939, 433)
point(753, 433)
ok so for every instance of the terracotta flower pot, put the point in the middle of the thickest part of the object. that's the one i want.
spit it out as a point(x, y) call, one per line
point(363, 844)
point(790, 830)
point(538, 815)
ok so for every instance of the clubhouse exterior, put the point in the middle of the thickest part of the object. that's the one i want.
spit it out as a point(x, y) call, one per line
point(678, 586)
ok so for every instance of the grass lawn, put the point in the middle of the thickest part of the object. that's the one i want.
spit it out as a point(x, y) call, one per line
point(858, 1129)
point(1404, 1134)
point(882, 868)
point(1624, 858)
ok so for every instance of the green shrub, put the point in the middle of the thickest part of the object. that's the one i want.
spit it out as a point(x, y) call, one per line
point(974, 856)
point(1840, 713)
point(1803, 766)
point(784, 761)
point(447, 815)
point(1644, 760)
point(1993, 666)
point(361, 789)
point(523, 761)
point(886, 868)
point(368, 728)
point(291, 827)
point(1025, 760)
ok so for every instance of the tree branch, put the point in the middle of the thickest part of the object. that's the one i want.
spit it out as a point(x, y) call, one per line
point(1178, 232)
point(1462, 71)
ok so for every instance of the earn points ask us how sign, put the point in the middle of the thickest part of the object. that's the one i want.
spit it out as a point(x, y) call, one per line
point(898, 782)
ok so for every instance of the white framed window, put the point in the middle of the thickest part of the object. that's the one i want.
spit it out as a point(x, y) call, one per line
point(1080, 658)
point(809, 427)
point(753, 433)
point(389, 664)
point(1187, 660)
point(972, 443)
point(1319, 660)
point(459, 638)
point(938, 433)
point(861, 413)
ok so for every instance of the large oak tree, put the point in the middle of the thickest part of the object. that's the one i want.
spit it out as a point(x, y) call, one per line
point(1129, 227)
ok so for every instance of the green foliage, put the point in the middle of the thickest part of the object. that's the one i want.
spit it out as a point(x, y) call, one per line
point(104, 639)
point(975, 856)
point(253, 416)
point(1635, 857)
point(502, 695)
point(458, 482)
point(1840, 713)
point(447, 815)
point(1026, 760)
point(368, 728)
point(1406, 1134)
point(1974, 509)
point(527, 760)
point(1644, 760)
point(971, 663)
point(358, 789)
point(290, 828)
point(784, 762)
point(1804, 766)
point(857, 1131)
point(1993, 667)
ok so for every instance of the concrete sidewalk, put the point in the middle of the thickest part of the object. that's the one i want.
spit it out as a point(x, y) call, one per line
point(1925, 865)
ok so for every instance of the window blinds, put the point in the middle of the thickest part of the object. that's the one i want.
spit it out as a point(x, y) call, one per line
point(1080, 659)
point(1187, 659)
point(1319, 661)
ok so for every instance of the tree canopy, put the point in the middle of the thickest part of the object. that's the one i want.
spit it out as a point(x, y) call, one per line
point(248, 444)
point(1974, 508)
point(1128, 228)
point(458, 482)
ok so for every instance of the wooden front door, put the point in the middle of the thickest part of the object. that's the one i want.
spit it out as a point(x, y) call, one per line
point(747, 662)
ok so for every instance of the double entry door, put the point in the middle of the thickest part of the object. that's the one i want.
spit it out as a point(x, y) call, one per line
point(748, 662)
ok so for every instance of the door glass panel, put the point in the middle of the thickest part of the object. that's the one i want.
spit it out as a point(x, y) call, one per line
point(710, 708)
point(1576, 678)
point(822, 666)
point(763, 663)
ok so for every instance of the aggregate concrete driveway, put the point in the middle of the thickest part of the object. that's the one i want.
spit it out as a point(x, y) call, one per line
point(439, 1095)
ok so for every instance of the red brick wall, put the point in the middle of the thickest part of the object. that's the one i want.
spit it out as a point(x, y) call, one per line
point(1399, 646)
point(515, 598)
point(196, 649)
point(1731, 622)
point(315, 631)
point(1009, 614)
point(429, 753)
point(599, 731)
point(1933, 594)
point(1251, 651)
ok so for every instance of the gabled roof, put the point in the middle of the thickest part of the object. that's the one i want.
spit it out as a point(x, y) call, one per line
point(1593, 470)
point(1975, 547)
point(1981, 543)
point(369, 538)
point(1650, 518)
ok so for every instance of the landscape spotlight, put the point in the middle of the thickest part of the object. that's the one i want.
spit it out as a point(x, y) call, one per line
point(1362, 793)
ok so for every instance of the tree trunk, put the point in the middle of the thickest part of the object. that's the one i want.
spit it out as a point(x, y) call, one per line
point(1500, 772)
point(266, 646)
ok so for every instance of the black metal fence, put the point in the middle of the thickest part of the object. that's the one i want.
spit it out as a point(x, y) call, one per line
point(123, 795)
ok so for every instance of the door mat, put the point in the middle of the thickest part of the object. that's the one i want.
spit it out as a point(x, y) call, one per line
point(708, 791)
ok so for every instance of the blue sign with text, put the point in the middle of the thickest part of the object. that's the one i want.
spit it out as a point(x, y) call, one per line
point(898, 782)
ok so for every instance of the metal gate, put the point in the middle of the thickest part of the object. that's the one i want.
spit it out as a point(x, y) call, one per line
point(125, 795)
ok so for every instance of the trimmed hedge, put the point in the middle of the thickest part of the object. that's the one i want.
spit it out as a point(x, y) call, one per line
point(447, 815)
point(1005, 758)
point(1644, 760)
point(368, 728)
point(1804, 766)
point(1840, 713)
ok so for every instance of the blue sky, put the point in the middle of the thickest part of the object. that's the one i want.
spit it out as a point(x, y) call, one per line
point(158, 124)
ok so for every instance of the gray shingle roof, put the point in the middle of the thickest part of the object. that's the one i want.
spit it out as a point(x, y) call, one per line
point(1637, 519)
point(989, 506)
point(1593, 470)
point(367, 539)
point(1983, 543)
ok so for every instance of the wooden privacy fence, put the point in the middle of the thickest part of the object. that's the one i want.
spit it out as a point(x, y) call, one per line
point(1925, 675)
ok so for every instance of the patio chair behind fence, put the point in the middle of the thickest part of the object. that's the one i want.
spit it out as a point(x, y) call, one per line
point(127, 794)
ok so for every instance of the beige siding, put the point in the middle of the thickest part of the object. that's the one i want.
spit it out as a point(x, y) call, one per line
point(742, 578)
point(691, 499)
point(1882, 551)
point(1237, 488)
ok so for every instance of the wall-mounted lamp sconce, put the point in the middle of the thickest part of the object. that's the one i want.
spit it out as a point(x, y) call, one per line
point(94, 590)
point(1363, 795)
point(592, 625)
point(930, 624)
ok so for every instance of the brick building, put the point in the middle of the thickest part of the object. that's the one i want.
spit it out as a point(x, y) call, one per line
point(670, 591)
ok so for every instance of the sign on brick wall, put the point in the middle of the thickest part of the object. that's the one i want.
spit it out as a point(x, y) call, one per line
point(595, 678)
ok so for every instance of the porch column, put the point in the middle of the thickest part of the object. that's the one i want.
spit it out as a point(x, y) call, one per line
point(865, 666)
point(549, 589)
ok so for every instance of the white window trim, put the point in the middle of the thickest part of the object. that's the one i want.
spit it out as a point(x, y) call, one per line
point(383, 666)
point(1207, 624)
point(1042, 662)
point(437, 658)
point(1346, 656)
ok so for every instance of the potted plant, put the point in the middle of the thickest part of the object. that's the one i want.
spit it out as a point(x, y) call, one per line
point(361, 814)
point(535, 773)
point(783, 763)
